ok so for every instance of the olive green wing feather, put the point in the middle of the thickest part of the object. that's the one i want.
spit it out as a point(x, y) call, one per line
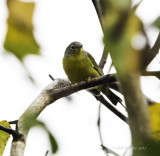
point(95, 65)
point(94, 91)
point(104, 89)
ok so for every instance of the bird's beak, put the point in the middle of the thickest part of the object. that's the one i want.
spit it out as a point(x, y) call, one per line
point(80, 46)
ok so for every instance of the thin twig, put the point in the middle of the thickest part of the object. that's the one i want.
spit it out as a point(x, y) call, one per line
point(98, 10)
point(151, 73)
point(51, 77)
point(8, 130)
point(103, 58)
point(47, 152)
point(105, 149)
point(112, 108)
point(153, 52)
point(99, 14)
point(110, 151)
point(99, 130)
point(13, 122)
point(137, 5)
point(116, 86)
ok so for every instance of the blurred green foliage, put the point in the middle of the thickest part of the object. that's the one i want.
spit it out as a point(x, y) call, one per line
point(30, 123)
point(120, 26)
point(19, 38)
point(156, 23)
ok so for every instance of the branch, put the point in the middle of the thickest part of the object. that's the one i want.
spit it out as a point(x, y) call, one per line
point(99, 130)
point(137, 109)
point(32, 112)
point(112, 108)
point(13, 122)
point(104, 148)
point(99, 14)
point(153, 52)
point(114, 84)
point(56, 94)
point(57, 89)
point(103, 58)
point(151, 73)
point(137, 5)
point(98, 10)
point(8, 130)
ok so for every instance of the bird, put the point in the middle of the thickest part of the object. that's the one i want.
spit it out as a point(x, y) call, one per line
point(79, 65)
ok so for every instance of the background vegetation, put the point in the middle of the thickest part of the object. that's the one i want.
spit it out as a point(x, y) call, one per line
point(127, 40)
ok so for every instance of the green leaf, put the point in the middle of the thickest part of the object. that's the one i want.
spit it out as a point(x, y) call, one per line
point(156, 23)
point(3, 136)
point(20, 39)
point(53, 142)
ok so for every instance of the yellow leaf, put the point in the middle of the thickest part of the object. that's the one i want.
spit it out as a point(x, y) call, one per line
point(3, 136)
point(20, 39)
point(154, 110)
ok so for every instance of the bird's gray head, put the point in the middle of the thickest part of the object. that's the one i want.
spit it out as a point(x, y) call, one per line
point(73, 48)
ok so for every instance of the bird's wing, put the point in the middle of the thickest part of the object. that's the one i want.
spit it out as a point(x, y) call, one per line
point(95, 65)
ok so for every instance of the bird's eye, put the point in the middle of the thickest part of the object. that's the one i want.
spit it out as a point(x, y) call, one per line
point(72, 47)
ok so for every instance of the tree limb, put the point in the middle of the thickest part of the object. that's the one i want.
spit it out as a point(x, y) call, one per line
point(137, 109)
point(57, 89)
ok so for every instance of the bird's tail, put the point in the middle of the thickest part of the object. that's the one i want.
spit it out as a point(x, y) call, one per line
point(110, 95)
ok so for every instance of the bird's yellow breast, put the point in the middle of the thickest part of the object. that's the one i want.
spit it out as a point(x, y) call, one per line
point(79, 68)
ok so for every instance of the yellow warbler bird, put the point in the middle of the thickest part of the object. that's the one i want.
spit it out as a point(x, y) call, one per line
point(80, 65)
